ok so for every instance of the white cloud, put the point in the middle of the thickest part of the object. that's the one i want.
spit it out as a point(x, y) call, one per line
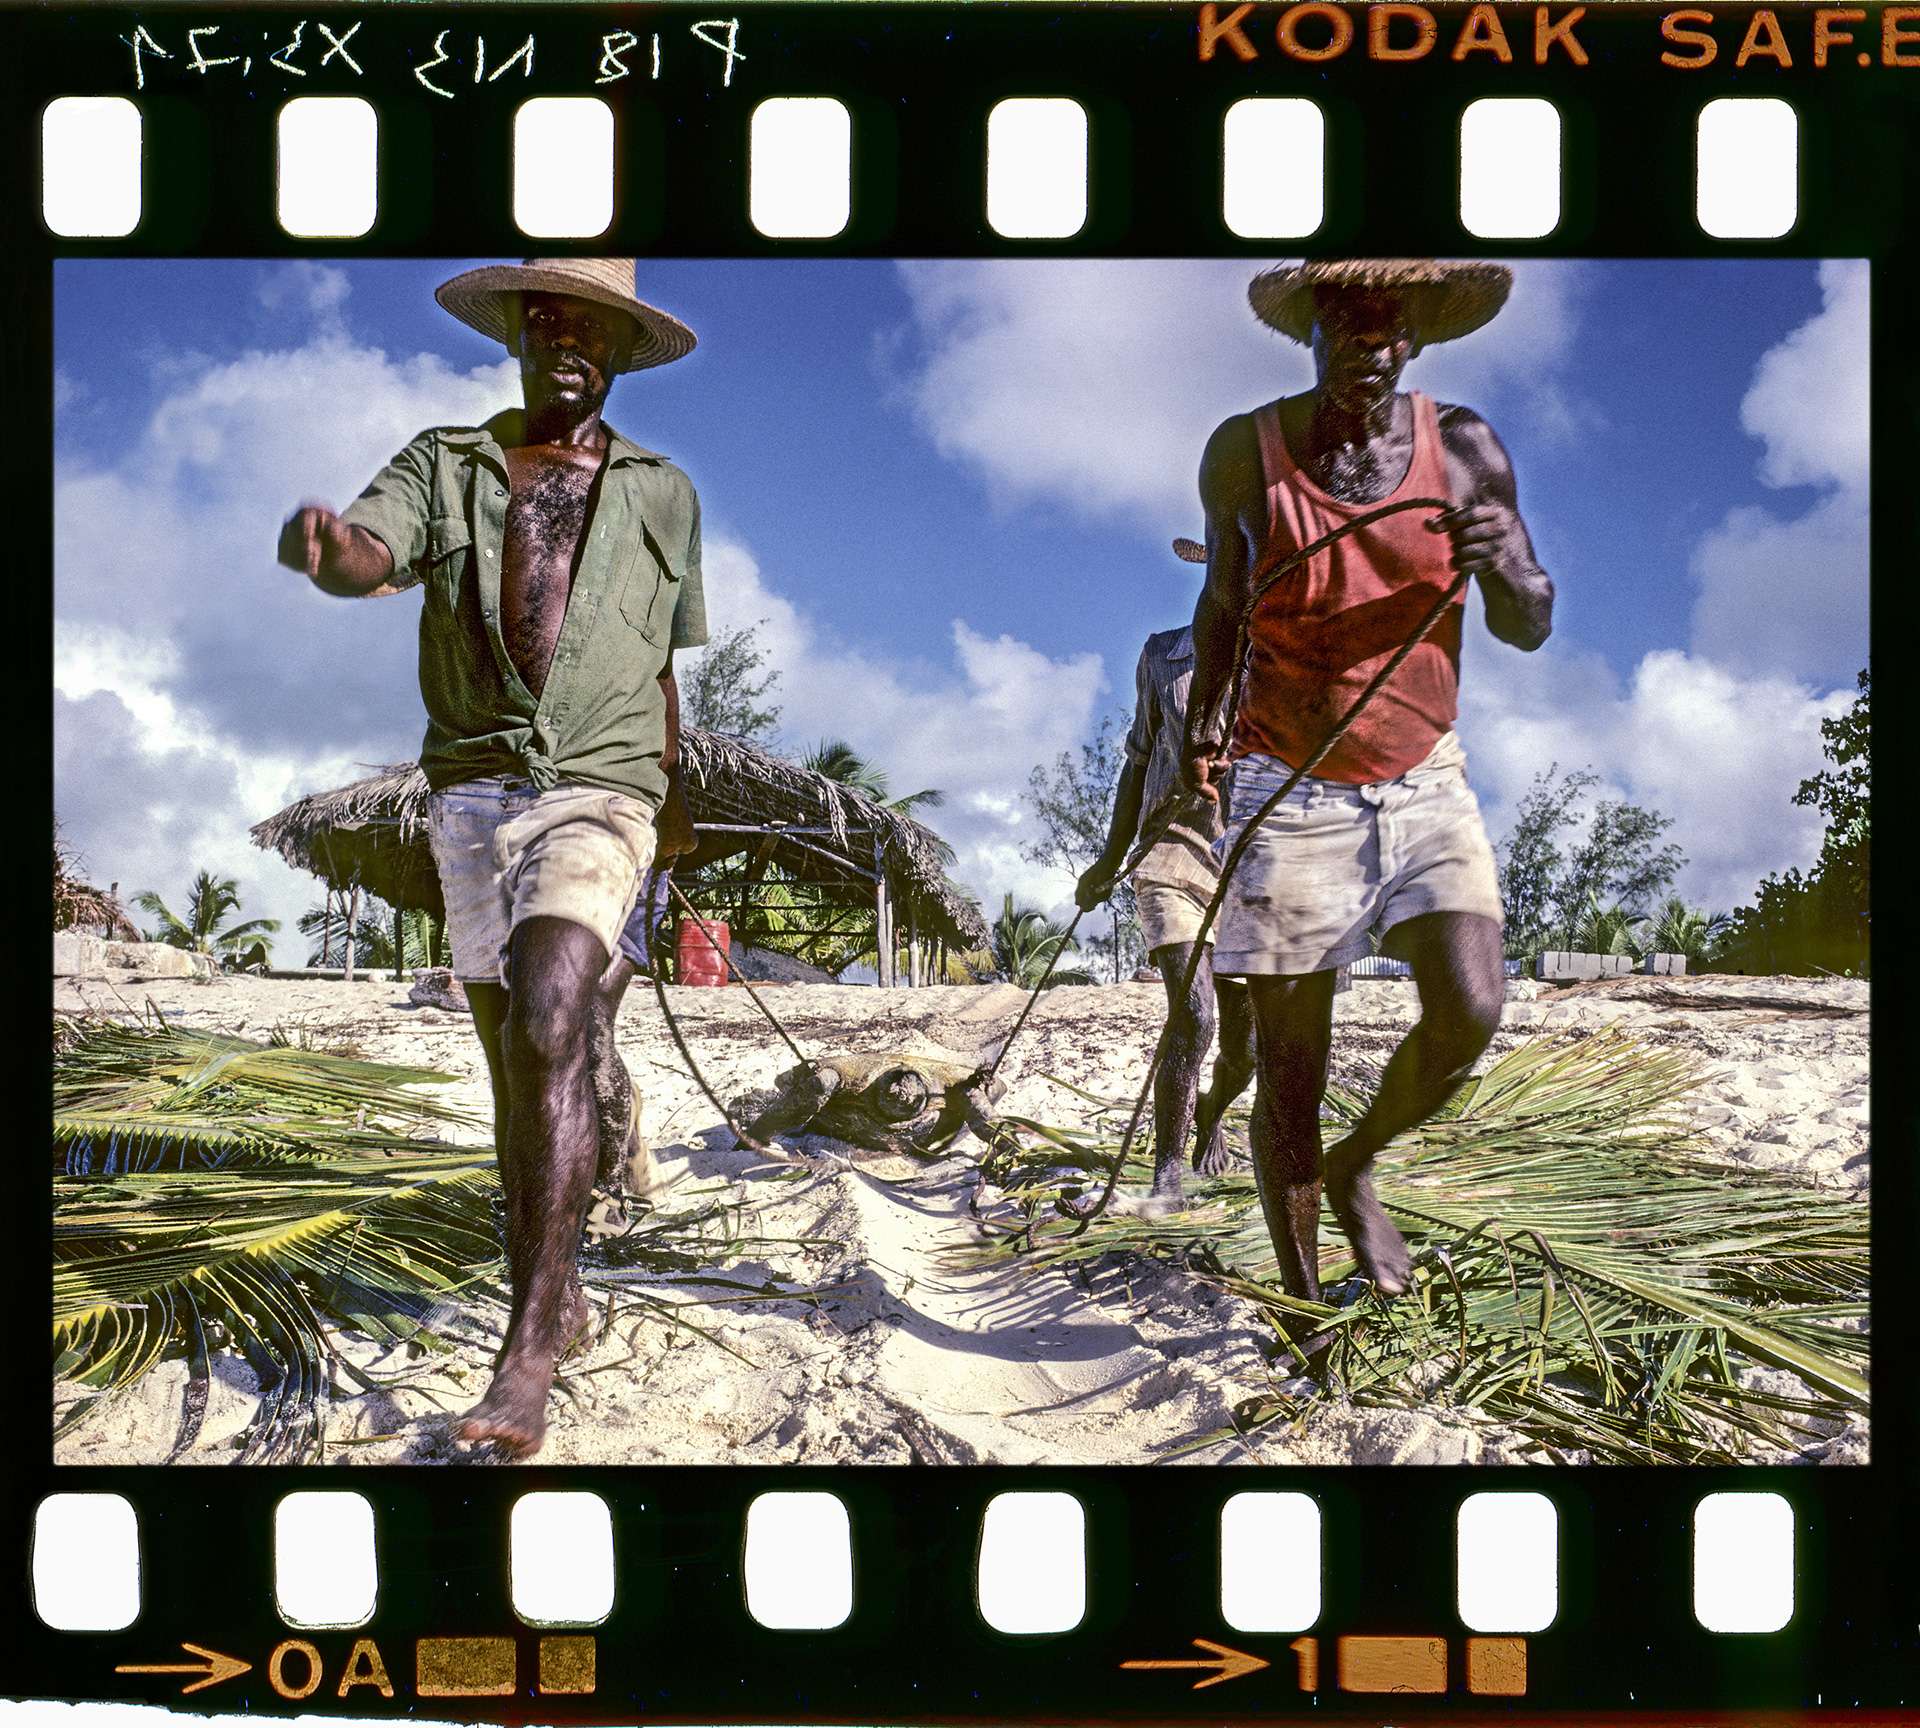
point(1719, 752)
point(1785, 591)
point(972, 726)
point(1094, 383)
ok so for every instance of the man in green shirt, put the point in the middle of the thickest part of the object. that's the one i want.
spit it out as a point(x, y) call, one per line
point(561, 568)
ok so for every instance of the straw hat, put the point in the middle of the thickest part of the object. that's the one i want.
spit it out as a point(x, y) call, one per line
point(1189, 550)
point(480, 298)
point(1447, 298)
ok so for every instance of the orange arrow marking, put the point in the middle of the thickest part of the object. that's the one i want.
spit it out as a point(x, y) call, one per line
point(212, 1668)
point(1231, 1663)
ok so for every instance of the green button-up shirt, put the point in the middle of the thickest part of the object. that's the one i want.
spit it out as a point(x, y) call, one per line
point(440, 507)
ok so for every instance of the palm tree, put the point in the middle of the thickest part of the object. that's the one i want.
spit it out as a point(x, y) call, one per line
point(1678, 928)
point(1025, 942)
point(209, 900)
point(839, 761)
point(1607, 930)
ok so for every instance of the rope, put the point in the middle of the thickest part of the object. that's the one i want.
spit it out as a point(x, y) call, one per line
point(739, 977)
point(693, 1067)
point(1160, 818)
point(1231, 863)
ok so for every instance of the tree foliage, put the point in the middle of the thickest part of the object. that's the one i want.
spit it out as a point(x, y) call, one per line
point(1820, 920)
point(1620, 866)
point(724, 688)
point(203, 928)
point(1025, 942)
point(1073, 798)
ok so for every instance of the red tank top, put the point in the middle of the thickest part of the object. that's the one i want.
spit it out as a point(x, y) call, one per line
point(1326, 627)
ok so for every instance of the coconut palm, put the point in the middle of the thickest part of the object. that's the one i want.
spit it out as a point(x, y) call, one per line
point(373, 949)
point(1026, 942)
point(1678, 928)
point(838, 760)
point(1607, 930)
point(209, 900)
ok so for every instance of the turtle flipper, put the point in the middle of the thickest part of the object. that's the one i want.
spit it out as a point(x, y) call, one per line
point(803, 1094)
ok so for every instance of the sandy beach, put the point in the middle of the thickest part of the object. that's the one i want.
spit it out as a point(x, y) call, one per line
point(851, 1335)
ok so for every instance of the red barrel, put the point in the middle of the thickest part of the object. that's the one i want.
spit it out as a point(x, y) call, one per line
point(694, 959)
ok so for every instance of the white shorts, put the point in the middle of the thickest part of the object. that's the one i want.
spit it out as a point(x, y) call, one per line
point(507, 853)
point(1334, 864)
point(1170, 913)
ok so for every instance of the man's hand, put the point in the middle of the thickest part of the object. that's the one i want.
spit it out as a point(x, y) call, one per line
point(673, 830)
point(1096, 882)
point(333, 555)
point(1203, 766)
point(1480, 534)
point(313, 536)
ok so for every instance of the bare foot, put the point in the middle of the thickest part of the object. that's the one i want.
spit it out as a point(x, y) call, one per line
point(513, 1414)
point(1379, 1247)
point(1216, 1158)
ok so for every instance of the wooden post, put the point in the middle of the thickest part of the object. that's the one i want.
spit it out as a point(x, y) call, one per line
point(915, 975)
point(882, 921)
point(326, 929)
point(353, 912)
point(399, 947)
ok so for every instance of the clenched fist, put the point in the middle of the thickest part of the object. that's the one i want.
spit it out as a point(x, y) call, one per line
point(334, 555)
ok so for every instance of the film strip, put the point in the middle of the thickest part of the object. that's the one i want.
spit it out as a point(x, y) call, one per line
point(1042, 1591)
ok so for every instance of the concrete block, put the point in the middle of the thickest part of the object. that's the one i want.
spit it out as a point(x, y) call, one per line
point(151, 959)
point(1559, 966)
point(77, 955)
point(1665, 965)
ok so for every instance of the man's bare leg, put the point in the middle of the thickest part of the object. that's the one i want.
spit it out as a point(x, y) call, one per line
point(552, 1142)
point(1293, 1021)
point(1234, 1064)
point(489, 1005)
point(1189, 1032)
point(1457, 968)
point(612, 1084)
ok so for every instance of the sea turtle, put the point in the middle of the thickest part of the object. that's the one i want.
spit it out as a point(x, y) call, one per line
point(913, 1106)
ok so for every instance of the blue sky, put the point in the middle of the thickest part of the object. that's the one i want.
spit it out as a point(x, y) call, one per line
point(949, 488)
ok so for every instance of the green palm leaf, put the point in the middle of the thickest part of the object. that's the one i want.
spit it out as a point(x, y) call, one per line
point(1582, 1274)
point(212, 1195)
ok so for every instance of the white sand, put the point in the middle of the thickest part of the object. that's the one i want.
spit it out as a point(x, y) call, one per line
point(908, 1359)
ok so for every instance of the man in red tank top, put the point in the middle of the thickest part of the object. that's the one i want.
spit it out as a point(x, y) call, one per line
point(1385, 837)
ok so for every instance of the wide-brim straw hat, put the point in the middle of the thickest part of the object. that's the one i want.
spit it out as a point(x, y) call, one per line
point(1189, 551)
point(480, 298)
point(1446, 298)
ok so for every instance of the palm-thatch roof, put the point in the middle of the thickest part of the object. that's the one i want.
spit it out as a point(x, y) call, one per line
point(78, 905)
point(744, 799)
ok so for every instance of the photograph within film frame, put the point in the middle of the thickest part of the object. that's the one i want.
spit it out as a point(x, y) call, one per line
point(1153, 1594)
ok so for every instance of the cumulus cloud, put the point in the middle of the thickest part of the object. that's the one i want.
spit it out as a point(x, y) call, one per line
point(1094, 383)
point(1719, 752)
point(1784, 591)
point(971, 725)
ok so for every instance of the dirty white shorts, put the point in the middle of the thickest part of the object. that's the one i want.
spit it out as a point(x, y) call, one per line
point(1335, 863)
point(507, 853)
point(1170, 912)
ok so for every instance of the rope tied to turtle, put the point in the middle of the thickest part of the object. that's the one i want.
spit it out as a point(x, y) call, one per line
point(1152, 831)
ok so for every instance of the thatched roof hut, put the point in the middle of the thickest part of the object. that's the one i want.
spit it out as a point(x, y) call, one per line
point(744, 801)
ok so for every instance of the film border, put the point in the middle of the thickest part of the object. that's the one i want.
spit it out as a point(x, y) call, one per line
point(919, 80)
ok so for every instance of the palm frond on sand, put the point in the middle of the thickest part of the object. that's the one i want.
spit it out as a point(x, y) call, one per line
point(1582, 1274)
point(211, 1194)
